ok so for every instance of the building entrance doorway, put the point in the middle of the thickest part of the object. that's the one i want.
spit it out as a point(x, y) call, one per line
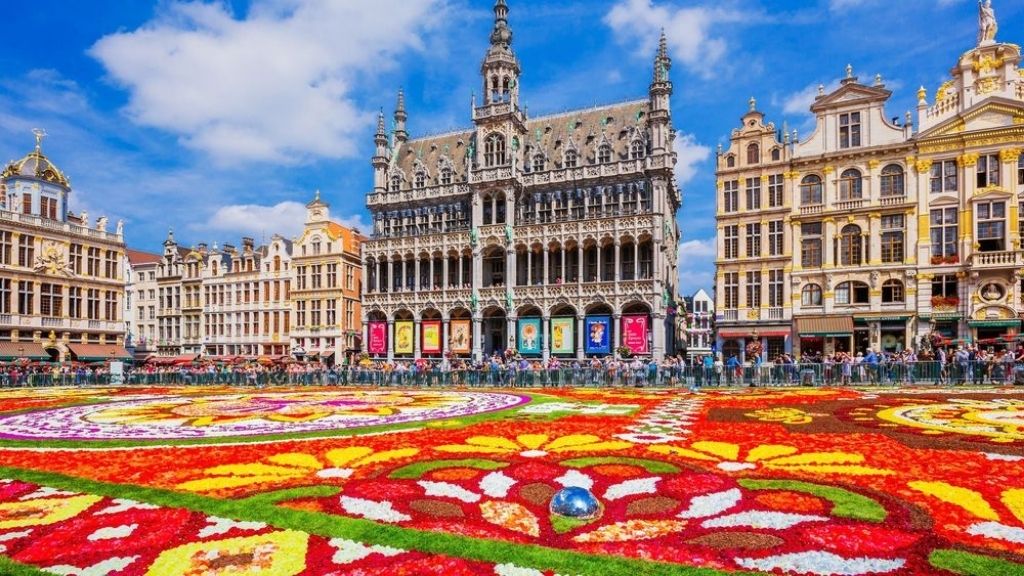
point(495, 331)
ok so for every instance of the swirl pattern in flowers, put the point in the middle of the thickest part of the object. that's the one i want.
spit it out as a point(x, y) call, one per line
point(249, 414)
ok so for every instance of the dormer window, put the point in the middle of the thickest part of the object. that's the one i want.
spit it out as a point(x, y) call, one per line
point(636, 150)
point(571, 159)
point(753, 154)
point(396, 183)
point(420, 180)
point(446, 175)
point(604, 154)
point(538, 163)
point(849, 130)
point(730, 161)
point(776, 154)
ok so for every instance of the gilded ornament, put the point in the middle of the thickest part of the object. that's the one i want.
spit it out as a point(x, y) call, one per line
point(872, 164)
point(943, 91)
point(967, 160)
point(1009, 155)
point(923, 165)
point(828, 169)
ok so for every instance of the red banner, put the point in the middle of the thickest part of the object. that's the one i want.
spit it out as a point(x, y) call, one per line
point(431, 339)
point(378, 338)
point(634, 334)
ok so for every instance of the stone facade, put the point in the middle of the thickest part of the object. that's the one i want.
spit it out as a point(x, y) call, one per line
point(141, 301)
point(61, 281)
point(525, 222)
point(874, 233)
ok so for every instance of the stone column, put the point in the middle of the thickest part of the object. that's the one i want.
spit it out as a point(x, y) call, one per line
point(828, 255)
point(546, 351)
point(477, 344)
point(600, 277)
point(416, 338)
point(579, 337)
point(365, 347)
point(445, 320)
point(658, 329)
point(618, 260)
point(547, 254)
point(636, 261)
point(617, 331)
point(444, 272)
point(391, 339)
point(510, 265)
point(511, 326)
point(461, 281)
point(529, 266)
point(579, 262)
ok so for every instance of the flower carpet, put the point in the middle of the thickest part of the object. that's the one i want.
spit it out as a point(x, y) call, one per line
point(216, 481)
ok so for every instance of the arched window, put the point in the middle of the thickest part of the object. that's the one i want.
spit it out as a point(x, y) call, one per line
point(488, 210)
point(810, 190)
point(571, 158)
point(396, 183)
point(604, 154)
point(892, 180)
point(851, 245)
point(446, 175)
point(776, 154)
point(851, 185)
point(892, 291)
point(494, 151)
point(636, 150)
point(811, 295)
point(538, 162)
point(420, 180)
point(730, 161)
point(852, 293)
point(753, 154)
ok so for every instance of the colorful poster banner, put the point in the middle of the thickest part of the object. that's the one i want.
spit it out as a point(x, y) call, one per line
point(378, 338)
point(634, 334)
point(431, 336)
point(529, 336)
point(460, 338)
point(563, 335)
point(597, 335)
point(403, 337)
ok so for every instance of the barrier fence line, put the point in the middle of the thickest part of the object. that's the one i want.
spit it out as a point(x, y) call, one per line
point(886, 373)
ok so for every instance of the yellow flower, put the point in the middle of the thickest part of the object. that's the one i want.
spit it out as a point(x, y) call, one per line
point(534, 445)
point(340, 463)
point(775, 457)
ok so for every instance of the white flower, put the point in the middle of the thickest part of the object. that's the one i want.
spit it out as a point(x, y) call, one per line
point(533, 453)
point(821, 564)
point(12, 536)
point(711, 504)
point(576, 479)
point(381, 511)
point(448, 490)
point(1002, 457)
point(588, 409)
point(761, 519)
point(630, 487)
point(736, 466)
point(349, 551)
point(334, 473)
point(997, 531)
point(113, 533)
point(123, 505)
point(496, 484)
point(108, 566)
point(46, 492)
point(218, 526)
point(513, 570)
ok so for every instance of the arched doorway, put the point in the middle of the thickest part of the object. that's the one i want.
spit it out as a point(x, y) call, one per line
point(495, 331)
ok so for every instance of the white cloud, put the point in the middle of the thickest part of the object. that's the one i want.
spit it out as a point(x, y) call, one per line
point(690, 155)
point(800, 101)
point(689, 30)
point(259, 221)
point(839, 5)
point(274, 85)
point(697, 265)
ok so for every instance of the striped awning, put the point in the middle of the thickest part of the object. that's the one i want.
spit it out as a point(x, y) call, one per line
point(98, 352)
point(826, 326)
point(17, 350)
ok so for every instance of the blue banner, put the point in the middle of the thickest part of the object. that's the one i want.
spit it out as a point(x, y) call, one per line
point(528, 340)
point(597, 332)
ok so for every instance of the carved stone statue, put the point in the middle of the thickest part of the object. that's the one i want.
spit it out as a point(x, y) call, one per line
point(85, 218)
point(987, 24)
point(120, 227)
point(474, 237)
point(101, 223)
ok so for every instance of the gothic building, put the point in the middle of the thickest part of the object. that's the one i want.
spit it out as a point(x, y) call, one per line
point(554, 235)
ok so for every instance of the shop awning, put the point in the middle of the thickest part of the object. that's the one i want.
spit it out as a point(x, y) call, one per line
point(994, 323)
point(98, 352)
point(774, 333)
point(827, 326)
point(890, 318)
point(17, 350)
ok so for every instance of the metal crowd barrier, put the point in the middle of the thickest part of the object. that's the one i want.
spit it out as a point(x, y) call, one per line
point(769, 375)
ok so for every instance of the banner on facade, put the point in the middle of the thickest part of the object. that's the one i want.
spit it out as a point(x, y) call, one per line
point(529, 336)
point(460, 338)
point(431, 336)
point(563, 335)
point(403, 337)
point(597, 334)
point(634, 334)
point(378, 338)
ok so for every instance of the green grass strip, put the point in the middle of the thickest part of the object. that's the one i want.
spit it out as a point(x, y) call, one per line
point(652, 466)
point(366, 531)
point(968, 564)
point(277, 496)
point(418, 469)
point(9, 567)
point(846, 504)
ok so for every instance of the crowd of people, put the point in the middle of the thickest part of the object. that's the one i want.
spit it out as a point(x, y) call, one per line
point(939, 366)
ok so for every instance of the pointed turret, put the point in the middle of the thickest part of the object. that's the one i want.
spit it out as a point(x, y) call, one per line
point(661, 97)
point(502, 34)
point(401, 135)
point(380, 155)
point(500, 68)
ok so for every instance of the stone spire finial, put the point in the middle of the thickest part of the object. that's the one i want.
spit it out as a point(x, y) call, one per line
point(878, 79)
point(753, 104)
point(849, 71)
point(663, 46)
point(922, 96)
point(381, 131)
point(400, 117)
point(821, 89)
point(502, 34)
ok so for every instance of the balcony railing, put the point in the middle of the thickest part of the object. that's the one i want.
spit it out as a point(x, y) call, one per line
point(844, 205)
point(812, 209)
point(1002, 259)
point(731, 314)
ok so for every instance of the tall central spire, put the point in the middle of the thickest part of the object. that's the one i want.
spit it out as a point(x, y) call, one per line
point(502, 34)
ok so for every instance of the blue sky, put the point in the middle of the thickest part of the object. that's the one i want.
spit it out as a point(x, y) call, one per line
point(221, 119)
